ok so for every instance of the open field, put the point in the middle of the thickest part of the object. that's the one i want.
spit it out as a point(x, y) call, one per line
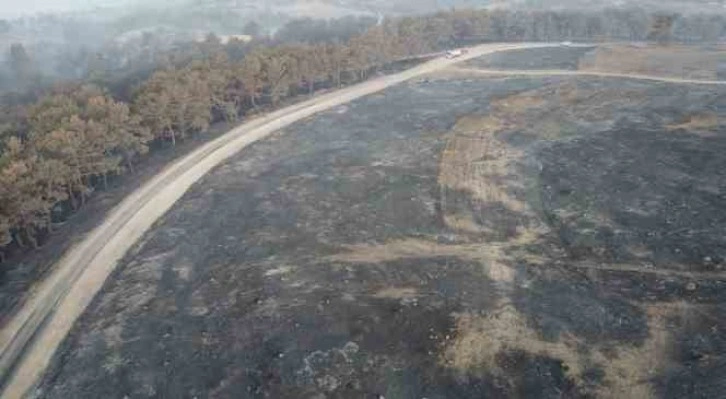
point(677, 61)
point(672, 61)
point(463, 236)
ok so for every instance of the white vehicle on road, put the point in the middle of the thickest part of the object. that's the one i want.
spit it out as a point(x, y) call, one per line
point(454, 53)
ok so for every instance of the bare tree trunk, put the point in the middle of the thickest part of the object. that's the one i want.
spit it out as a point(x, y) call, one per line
point(130, 165)
point(19, 239)
point(83, 192)
point(30, 235)
point(72, 198)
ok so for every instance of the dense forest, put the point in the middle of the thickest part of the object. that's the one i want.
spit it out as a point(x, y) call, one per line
point(34, 61)
point(61, 144)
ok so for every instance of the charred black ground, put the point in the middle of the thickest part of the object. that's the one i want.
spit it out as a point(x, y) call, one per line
point(339, 259)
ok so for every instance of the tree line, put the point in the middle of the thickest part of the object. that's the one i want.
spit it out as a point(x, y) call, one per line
point(80, 52)
point(59, 149)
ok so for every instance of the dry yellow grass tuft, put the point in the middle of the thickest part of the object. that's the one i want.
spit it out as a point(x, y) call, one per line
point(396, 293)
point(480, 339)
point(700, 124)
point(518, 103)
point(493, 257)
point(473, 124)
point(465, 223)
point(475, 161)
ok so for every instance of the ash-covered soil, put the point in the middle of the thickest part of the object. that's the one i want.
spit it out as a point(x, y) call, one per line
point(446, 239)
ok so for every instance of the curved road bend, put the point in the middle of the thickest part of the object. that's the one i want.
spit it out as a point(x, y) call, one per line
point(29, 340)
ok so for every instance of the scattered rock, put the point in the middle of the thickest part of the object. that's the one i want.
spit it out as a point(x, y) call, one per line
point(328, 383)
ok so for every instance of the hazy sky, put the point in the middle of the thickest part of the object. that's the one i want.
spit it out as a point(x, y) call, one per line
point(14, 8)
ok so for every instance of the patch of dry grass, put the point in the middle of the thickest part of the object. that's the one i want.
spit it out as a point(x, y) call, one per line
point(668, 61)
point(475, 161)
point(465, 223)
point(408, 249)
point(396, 293)
point(478, 162)
point(480, 339)
point(518, 103)
point(700, 124)
point(627, 369)
point(495, 257)
point(630, 370)
point(492, 257)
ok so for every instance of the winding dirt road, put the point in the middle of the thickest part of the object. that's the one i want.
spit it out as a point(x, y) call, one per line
point(29, 340)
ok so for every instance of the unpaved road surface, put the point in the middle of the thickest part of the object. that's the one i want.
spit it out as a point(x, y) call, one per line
point(29, 340)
